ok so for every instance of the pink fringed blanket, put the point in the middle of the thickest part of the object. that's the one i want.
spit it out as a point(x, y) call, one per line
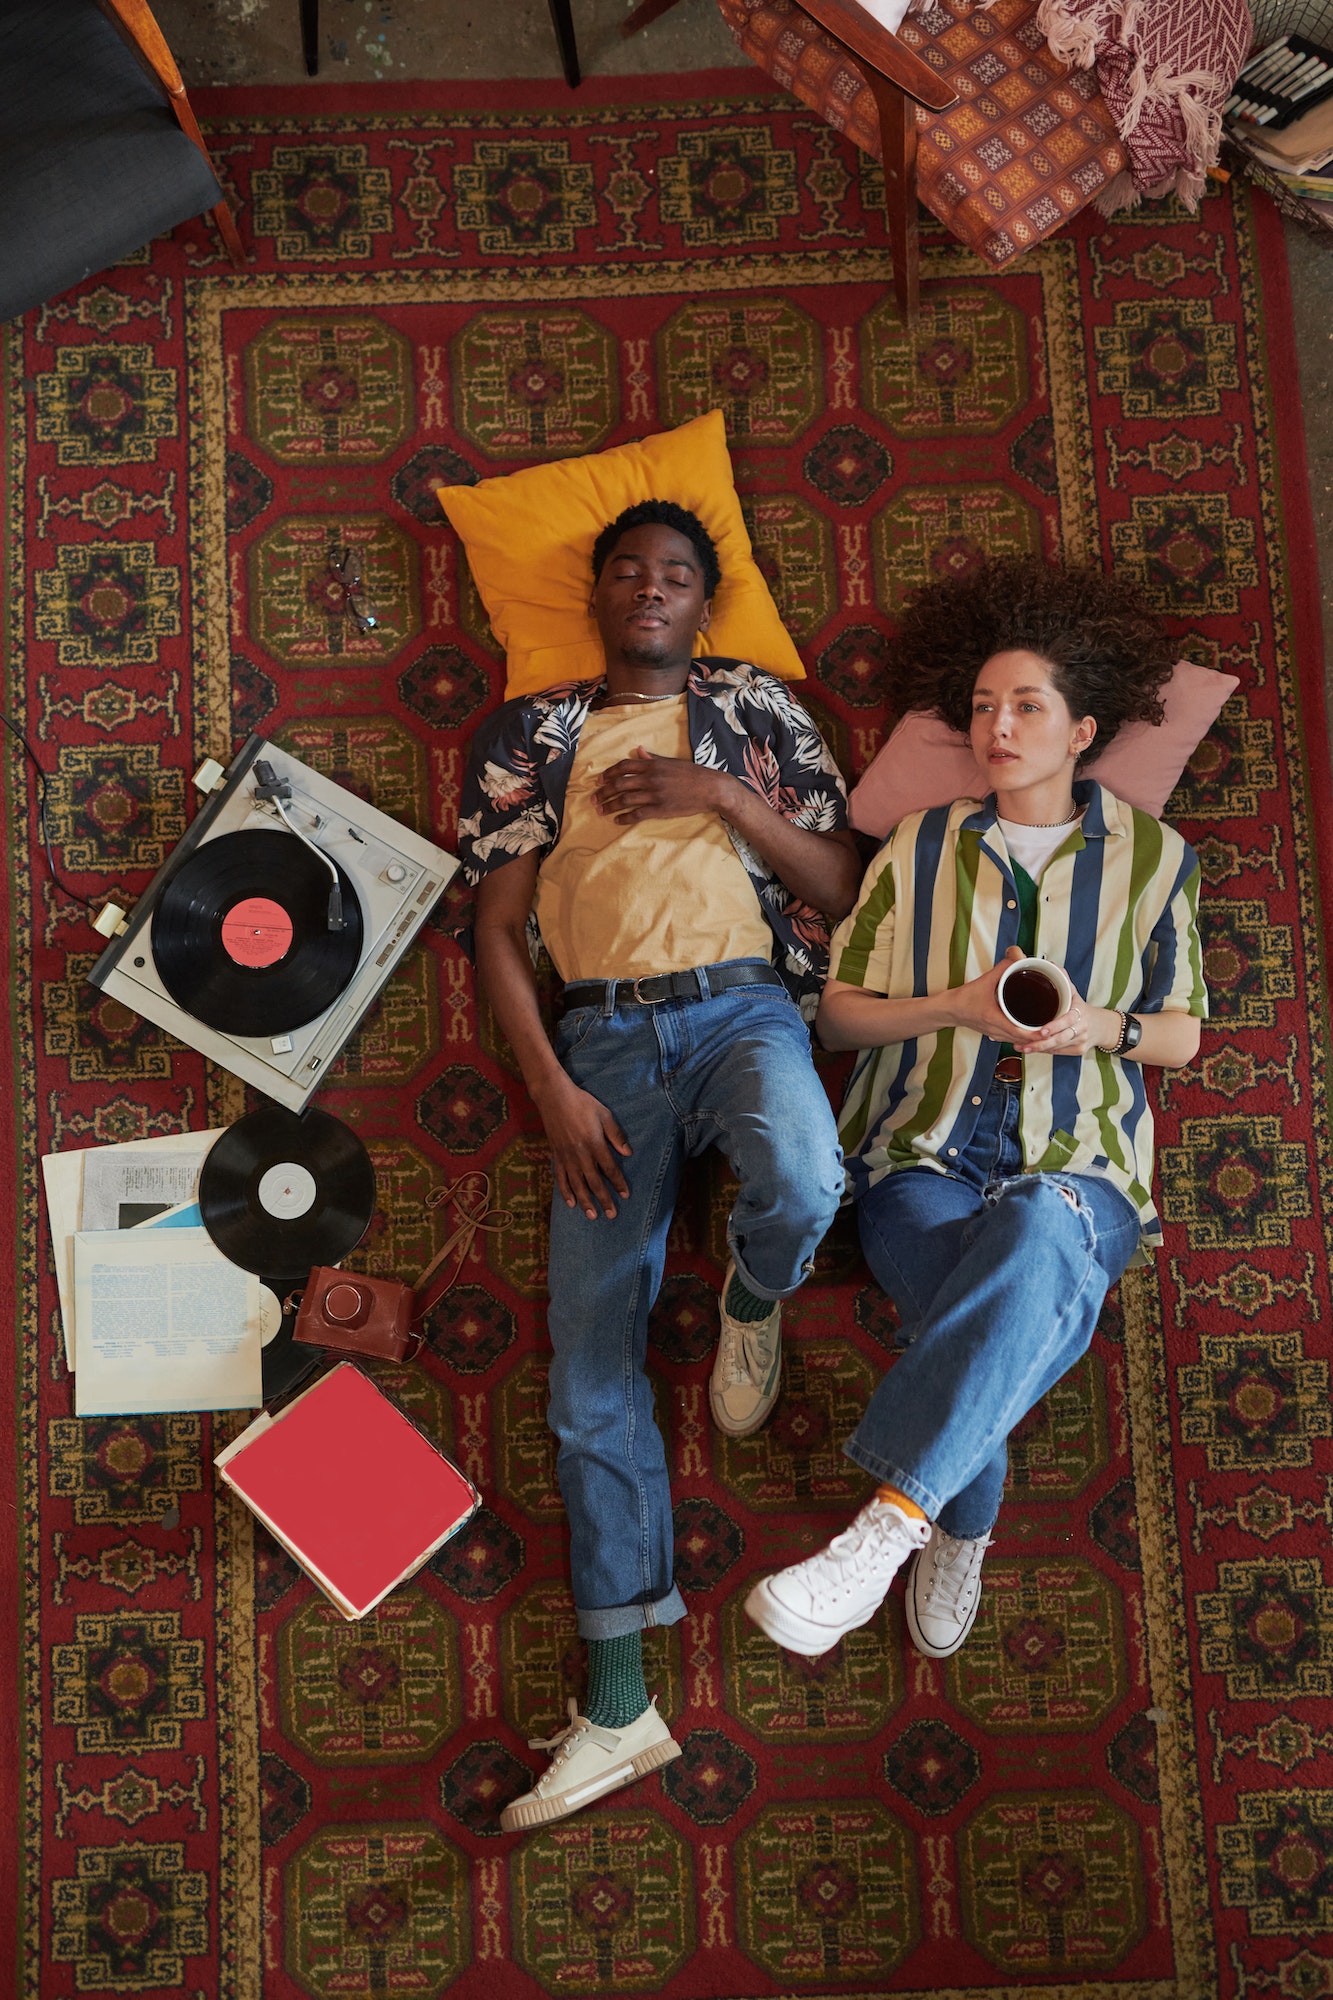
point(1166, 68)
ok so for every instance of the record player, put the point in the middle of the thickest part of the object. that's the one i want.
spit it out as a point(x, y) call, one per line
point(268, 932)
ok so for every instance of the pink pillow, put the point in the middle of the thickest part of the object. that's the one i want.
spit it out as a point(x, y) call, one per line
point(925, 763)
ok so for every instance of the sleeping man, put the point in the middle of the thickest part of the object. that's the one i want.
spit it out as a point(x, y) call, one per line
point(678, 830)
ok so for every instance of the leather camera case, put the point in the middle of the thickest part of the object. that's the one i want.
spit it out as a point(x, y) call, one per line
point(354, 1314)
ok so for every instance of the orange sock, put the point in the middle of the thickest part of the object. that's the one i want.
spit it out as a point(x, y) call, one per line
point(901, 1501)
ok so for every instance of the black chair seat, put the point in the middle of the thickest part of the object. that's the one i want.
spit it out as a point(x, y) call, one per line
point(92, 161)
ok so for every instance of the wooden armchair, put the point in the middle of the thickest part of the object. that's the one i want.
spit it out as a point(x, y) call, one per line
point(99, 149)
point(966, 107)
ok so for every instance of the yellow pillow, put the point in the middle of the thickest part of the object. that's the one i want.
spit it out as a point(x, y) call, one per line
point(529, 538)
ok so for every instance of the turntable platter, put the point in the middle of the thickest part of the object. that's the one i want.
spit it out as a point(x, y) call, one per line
point(241, 939)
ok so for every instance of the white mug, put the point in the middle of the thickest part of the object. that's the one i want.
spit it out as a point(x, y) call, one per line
point(1035, 988)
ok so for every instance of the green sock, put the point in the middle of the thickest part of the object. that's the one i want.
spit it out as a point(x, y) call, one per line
point(617, 1692)
point(742, 1304)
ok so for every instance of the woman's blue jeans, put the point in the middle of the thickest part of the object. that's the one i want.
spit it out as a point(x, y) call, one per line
point(734, 1071)
point(998, 1277)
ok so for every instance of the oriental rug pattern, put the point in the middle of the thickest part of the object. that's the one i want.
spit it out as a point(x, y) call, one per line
point(1124, 1785)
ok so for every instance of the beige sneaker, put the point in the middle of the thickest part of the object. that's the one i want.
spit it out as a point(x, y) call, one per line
point(747, 1373)
point(588, 1761)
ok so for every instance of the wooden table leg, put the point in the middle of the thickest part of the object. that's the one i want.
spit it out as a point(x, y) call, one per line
point(310, 35)
point(563, 22)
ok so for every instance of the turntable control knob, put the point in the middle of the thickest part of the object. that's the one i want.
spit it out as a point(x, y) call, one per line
point(209, 775)
point(343, 1302)
point(110, 921)
point(395, 872)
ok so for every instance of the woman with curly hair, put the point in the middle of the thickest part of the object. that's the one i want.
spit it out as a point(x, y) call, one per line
point(1002, 1174)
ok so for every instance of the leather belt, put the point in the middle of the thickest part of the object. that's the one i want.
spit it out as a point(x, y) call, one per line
point(656, 987)
point(1009, 1069)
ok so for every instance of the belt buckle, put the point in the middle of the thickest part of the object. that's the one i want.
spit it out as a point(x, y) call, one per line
point(1009, 1069)
point(642, 999)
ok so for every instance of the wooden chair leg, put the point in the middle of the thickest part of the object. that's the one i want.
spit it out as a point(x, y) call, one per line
point(897, 128)
point(222, 214)
point(562, 20)
point(136, 22)
point(227, 230)
point(310, 35)
point(645, 14)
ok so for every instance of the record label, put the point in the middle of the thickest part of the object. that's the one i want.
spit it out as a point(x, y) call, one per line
point(280, 1193)
point(287, 1191)
point(257, 931)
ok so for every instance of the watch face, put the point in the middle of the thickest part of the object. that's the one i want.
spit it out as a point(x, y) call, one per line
point(1133, 1032)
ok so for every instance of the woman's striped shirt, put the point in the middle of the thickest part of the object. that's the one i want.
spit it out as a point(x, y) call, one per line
point(1117, 907)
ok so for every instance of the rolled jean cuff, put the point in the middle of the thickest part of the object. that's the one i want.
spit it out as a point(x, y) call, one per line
point(614, 1622)
point(753, 1284)
point(892, 1475)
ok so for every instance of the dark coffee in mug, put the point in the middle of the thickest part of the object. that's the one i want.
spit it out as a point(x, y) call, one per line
point(1031, 998)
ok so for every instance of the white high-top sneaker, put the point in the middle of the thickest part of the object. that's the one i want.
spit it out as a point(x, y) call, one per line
point(812, 1605)
point(944, 1593)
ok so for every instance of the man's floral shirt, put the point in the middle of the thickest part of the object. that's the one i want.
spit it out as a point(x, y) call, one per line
point(742, 721)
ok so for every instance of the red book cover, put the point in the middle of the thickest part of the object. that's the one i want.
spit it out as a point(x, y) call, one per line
point(350, 1486)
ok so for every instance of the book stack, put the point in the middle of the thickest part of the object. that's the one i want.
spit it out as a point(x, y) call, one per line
point(1280, 117)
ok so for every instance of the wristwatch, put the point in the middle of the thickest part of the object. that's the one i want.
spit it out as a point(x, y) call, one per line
point(1131, 1034)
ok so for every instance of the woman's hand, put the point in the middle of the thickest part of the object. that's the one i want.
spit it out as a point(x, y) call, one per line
point(1076, 1032)
point(851, 1018)
point(1073, 1033)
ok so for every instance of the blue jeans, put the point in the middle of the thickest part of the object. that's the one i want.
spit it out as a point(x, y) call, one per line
point(733, 1071)
point(998, 1276)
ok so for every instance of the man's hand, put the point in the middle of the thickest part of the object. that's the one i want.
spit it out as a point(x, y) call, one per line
point(585, 1140)
point(646, 786)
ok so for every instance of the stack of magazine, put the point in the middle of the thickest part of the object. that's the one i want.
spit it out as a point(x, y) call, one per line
point(154, 1317)
point(1281, 116)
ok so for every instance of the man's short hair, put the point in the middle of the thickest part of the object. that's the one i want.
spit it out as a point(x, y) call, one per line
point(660, 514)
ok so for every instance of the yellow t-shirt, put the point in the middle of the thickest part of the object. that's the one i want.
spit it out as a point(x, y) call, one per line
point(621, 902)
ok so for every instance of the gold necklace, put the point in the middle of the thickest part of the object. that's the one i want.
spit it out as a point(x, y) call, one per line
point(610, 700)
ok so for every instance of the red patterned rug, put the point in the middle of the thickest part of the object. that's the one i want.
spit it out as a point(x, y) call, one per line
point(1124, 1785)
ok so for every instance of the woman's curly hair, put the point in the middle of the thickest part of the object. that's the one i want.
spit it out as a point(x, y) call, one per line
point(1107, 654)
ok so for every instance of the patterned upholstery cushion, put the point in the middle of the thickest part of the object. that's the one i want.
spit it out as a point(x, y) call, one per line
point(1025, 147)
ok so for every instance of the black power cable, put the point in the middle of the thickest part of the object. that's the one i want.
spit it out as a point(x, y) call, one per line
point(43, 827)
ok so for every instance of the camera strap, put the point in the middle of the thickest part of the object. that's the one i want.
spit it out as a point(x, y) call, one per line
point(470, 1195)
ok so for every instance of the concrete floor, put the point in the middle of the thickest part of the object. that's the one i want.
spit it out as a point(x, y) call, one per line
point(1311, 264)
point(259, 41)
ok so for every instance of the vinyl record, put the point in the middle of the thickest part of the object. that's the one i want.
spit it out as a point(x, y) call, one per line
point(286, 1363)
point(241, 934)
point(280, 1192)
